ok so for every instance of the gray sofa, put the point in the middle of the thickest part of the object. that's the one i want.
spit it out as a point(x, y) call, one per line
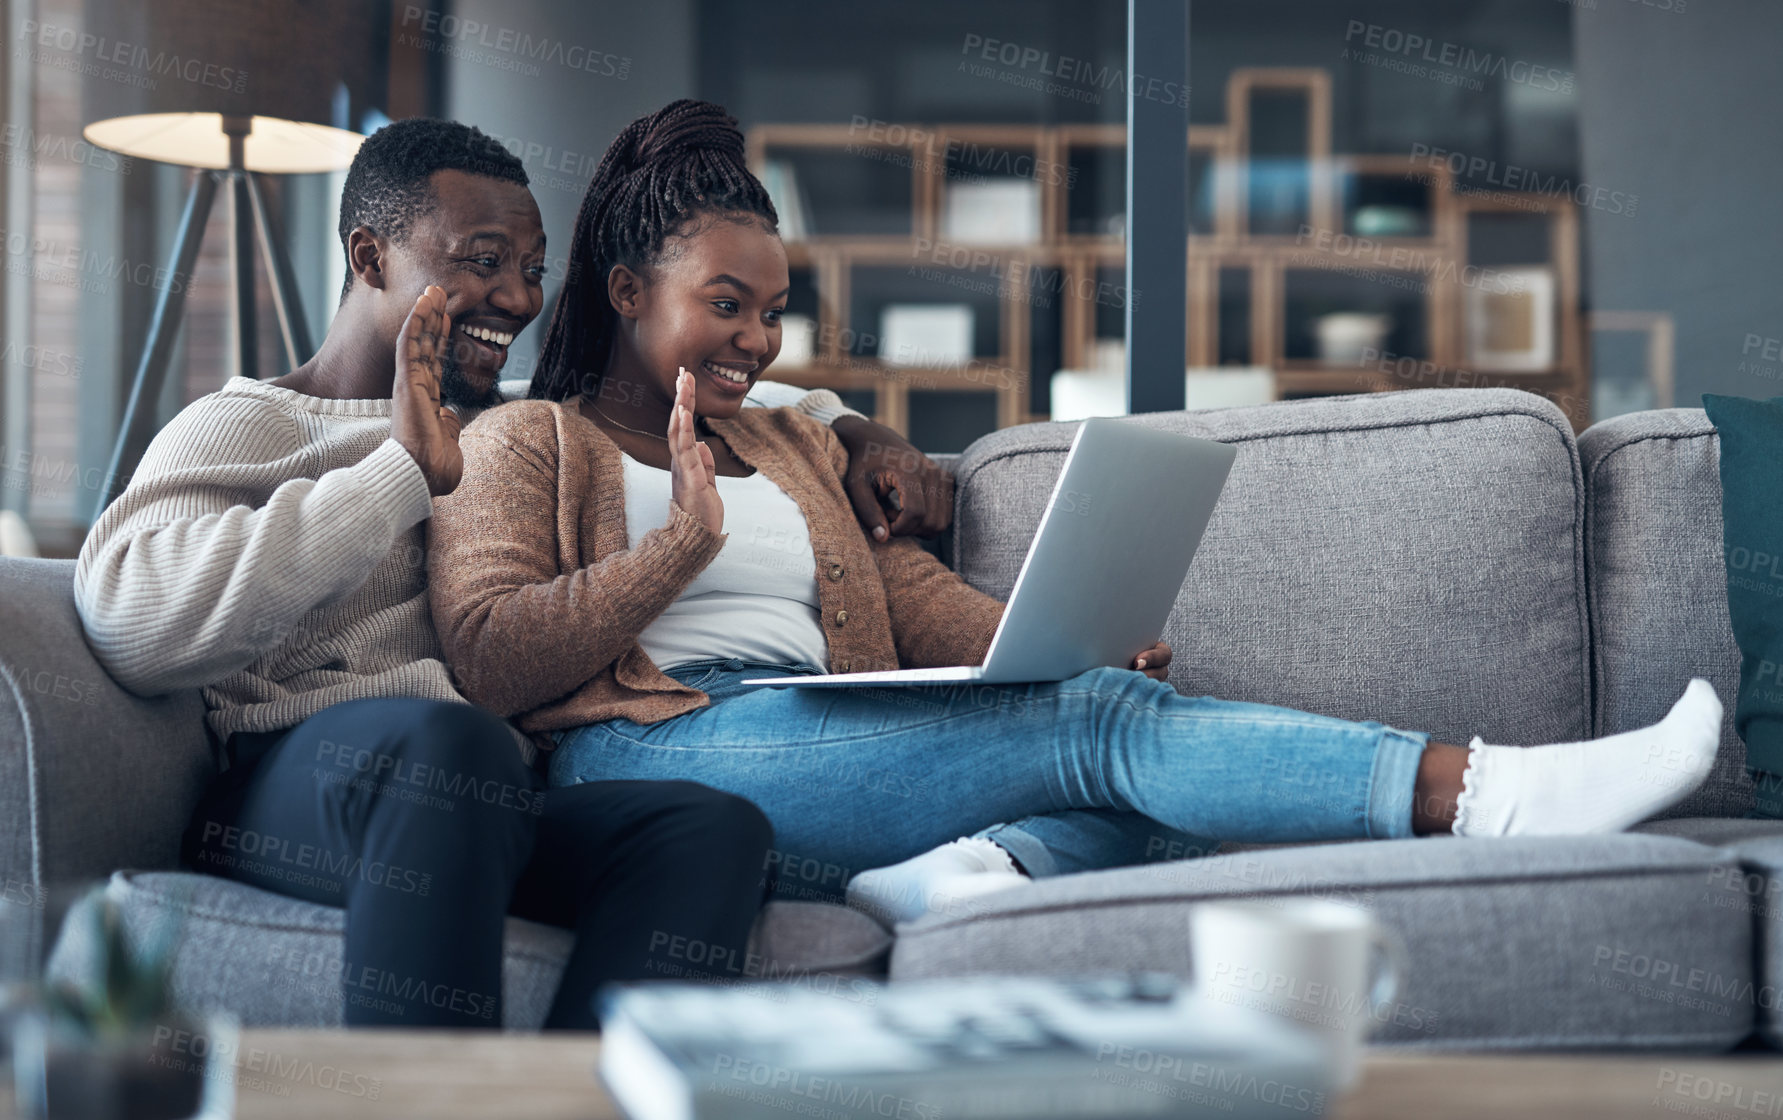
point(1448, 561)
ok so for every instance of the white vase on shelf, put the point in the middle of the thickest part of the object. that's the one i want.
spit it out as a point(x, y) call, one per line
point(1346, 337)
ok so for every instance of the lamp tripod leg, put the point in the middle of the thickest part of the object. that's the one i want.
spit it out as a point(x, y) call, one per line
point(286, 302)
point(242, 305)
point(151, 371)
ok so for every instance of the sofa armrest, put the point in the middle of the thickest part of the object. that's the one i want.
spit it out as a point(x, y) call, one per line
point(92, 778)
point(1658, 584)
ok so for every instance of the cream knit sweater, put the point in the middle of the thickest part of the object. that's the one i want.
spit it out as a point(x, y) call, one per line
point(269, 550)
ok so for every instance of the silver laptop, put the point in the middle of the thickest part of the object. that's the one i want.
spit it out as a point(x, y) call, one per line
point(1125, 518)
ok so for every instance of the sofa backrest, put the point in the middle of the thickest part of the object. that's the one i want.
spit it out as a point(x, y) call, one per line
point(1415, 558)
point(92, 778)
point(1659, 583)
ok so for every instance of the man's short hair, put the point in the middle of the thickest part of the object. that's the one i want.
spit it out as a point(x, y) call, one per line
point(388, 184)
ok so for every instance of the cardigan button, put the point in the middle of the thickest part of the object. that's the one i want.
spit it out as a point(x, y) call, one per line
point(842, 668)
point(841, 617)
point(835, 571)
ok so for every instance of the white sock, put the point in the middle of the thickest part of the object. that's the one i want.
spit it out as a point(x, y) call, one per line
point(1600, 785)
point(944, 880)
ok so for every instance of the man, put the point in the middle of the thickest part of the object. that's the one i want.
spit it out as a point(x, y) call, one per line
point(269, 550)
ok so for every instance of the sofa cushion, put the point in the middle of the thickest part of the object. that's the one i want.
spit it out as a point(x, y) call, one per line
point(1659, 584)
point(1756, 888)
point(1509, 943)
point(276, 961)
point(1413, 557)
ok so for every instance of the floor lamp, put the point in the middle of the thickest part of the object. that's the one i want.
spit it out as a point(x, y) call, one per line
point(268, 89)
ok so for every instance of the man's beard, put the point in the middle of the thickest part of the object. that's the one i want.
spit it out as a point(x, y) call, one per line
point(457, 391)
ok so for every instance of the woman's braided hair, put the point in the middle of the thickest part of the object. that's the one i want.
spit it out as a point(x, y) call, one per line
point(678, 164)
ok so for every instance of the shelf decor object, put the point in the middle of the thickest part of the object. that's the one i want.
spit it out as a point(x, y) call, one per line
point(1078, 394)
point(1230, 386)
point(1347, 338)
point(1510, 323)
point(1660, 338)
point(1345, 234)
point(251, 89)
point(1385, 221)
point(994, 211)
point(798, 341)
point(926, 334)
point(780, 179)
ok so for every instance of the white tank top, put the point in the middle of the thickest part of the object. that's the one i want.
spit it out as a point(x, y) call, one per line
point(757, 599)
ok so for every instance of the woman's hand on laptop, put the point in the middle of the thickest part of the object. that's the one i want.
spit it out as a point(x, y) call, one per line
point(1154, 662)
point(693, 476)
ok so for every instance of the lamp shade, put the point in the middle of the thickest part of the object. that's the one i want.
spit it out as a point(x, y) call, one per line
point(162, 76)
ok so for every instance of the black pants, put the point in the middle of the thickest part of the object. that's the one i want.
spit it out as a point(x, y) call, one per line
point(420, 818)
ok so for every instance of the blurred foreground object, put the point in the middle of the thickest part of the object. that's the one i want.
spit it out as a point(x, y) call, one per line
point(955, 1049)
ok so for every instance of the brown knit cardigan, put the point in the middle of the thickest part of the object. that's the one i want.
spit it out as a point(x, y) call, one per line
point(539, 601)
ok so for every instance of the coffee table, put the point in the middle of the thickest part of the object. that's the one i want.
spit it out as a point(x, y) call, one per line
point(550, 1077)
point(394, 1075)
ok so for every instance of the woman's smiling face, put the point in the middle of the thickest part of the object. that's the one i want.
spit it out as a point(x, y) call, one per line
point(712, 305)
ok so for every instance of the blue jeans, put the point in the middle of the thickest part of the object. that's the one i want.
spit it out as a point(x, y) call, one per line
point(1106, 769)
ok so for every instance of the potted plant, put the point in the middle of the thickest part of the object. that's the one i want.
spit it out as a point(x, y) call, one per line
point(112, 1048)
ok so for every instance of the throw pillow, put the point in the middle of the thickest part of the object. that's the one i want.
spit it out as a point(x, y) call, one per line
point(1752, 547)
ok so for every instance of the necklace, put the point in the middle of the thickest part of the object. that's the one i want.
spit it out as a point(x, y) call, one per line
point(699, 423)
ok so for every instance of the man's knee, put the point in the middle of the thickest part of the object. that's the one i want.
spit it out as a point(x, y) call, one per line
point(422, 759)
point(430, 742)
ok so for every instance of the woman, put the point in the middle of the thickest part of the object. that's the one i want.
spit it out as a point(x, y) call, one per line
point(628, 545)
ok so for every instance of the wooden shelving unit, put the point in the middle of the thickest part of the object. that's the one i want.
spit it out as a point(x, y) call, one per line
point(1058, 274)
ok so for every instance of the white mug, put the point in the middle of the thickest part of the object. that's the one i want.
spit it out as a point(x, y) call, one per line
point(1327, 967)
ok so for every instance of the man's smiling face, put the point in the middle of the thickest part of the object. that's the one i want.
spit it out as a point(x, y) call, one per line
point(484, 243)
